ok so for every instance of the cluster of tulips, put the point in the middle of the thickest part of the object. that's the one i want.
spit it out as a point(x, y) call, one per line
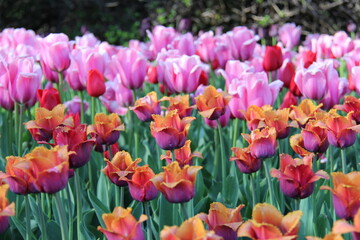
point(98, 141)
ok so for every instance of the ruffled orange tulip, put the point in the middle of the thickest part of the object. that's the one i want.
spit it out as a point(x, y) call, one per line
point(191, 229)
point(46, 121)
point(245, 161)
point(181, 104)
point(224, 221)
point(296, 177)
point(342, 226)
point(268, 223)
point(121, 168)
point(262, 143)
point(175, 183)
point(106, 128)
point(315, 137)
point(351, 104)
point(211, 104)
point(255, 116)
point(6, 209)
point(145, 107)
point(140, 186)
point(297, 144)
point(346, 193)
point(122, 225)
point(170, 131)
point(304, 111)
point(279, 119)
point(183, 155)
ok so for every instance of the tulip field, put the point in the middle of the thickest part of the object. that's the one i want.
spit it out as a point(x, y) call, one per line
point(182, 136)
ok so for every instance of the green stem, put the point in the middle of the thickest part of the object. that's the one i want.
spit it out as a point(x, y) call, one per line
point(173, 157)
point(19, 143)
point(78, 204)
point(184, 211)
point(27, 213)
point(42, 220)
point(297, 204)
point(223, 158)
point(216, 153)
point(82, 116)
point(61, 212)
point(122, 196)
point(253, 190)
point(135, 130)
point(60, 87)
point(343, 160)
point(10, 132)
point(68, 195)
point(148, 224)
point(117, 196)
point(92, 108)
point(236, 132)
point(267, 174)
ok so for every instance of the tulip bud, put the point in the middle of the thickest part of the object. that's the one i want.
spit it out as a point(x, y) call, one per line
point(273, 58)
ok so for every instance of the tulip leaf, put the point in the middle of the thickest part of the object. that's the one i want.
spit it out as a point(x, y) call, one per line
point(321, 225)
point(37, 212)
point(86, 224)
point(102, 192)
point(99, 207)
point(307, 209)
point(203, 205)
point(166, 212)
point(53, 230)
point(231, 191)
point(19, 225)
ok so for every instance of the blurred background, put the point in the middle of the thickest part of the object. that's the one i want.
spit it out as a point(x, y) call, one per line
point(122, 20)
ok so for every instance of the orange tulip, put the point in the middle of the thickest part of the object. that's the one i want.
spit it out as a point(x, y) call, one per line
point(122, 225)
point(279, 119)
point(176, 184)
point(346, 193)
point(6, 209)
point(224, 221)
point(341, 130)
point(262, 143)
point(211, 104)
point(191, 229)
point(268, 223)
point(121, 168)
point(330, 236)
point(351, 104)
point(106, 128)
point(255, 116)
point(304, 111)
point(145, 107)
point(181, 104)
point(342, 226)
point(183, 155)
point(46, 121)
point(170, 131)
point(296, 177)
point(315, 137)
point(41, 170)
point(140, 186)
point(297, 144)
point(245, 161)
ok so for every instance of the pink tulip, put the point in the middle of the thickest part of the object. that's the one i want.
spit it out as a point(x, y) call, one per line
point(131, 66)
point(342, 44)
point(55, 51)
point(160, 38)
point(233, 70)
point(183, 74)
point(49, 74)
point(24, 79)
point(110, 100)
point(185, 44)
point(242, 42)
point(289, 35)
point(74, 106)
point(355, 73)
point(87, 40)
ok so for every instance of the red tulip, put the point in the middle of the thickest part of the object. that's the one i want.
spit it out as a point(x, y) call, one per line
point(48, 98)
point(273, 58)
point(95, 84)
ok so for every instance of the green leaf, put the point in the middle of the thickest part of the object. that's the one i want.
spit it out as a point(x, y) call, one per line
point(53, 230)
point(102, 192)
point(166, 212)
point(87, 217)
point(99, 207)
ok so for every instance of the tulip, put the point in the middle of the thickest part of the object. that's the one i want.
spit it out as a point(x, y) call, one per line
point(341, 44)
point(297, 144)
point(297, 179)
point(346, 193)
point(6, 210)
point(106, 128)
point(46, 121)
point(145, 107)
point(273, 58)
point(255, 116)
point(160, 38)
point(185, 44)
point(181, 104)
point(6, 101)
point(223, 120)
point(140, 186)
point(48, 98)
point(55, 51)
point(49, 74)
point(211, 104)
point(341, 130)
point(192, 228)
point(289, 100)
point(120, 168)
point(74, 106)
point(351, 104)
point(117, 98)
point(268, 223)
point(289, 35)
point(95, 84)
point(286, 72)
point(245, 161)
point(175, 183)
point(262, 143)
point(330, 236)
point(233, 70)
point(304, 111)
point(121, 224)
point(315, 137)
point(183, 155)
point(242, 42)
point(170, 132)
point(224, 221)
point(76, 140)
point(279, 119)
point(307, 58)
point(87, 40)
point(342, 226)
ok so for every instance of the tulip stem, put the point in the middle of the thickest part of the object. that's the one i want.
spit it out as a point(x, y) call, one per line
point(343, 160)
point(135, 129)
point(19, 143)
point(60, 87)
point(216, 153)
point(78, 204)
point(297, 204)
point(148, 224)
point(82, 116)
point(267, 174)
point(42, 220)
point(173, 157)
point(69, 211)
point(61, 212)
point(27, 213)
point(223, 158)
point(235, 131)
point(10, 132)
point(92, 108)
point(184, 211)
point(254, 201)
point(122, 196)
